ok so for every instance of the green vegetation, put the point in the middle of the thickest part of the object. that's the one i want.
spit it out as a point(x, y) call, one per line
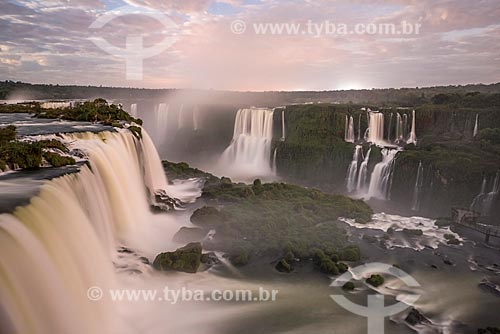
point(186, 259)
point(375, 280)
point(29, 155)
point(276, 218)
point(98, 111)
point(348, 286)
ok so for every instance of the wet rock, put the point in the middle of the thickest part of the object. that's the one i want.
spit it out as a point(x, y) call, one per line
point(209, 259)
point(144, 260)
point(448, 262)
point(415, 317)
point(186, 259)
point(163, 202)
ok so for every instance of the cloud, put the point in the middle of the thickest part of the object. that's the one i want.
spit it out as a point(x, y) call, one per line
point(50, 41)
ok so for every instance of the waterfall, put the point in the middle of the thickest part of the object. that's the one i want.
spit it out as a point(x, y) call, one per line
point(492, 196)
point(376, 128)
point(381, 177)
point(476, 126)
point(363, 172)
point(399, 128)
point(353, 169)
point(133, 110)
point(196, 118)
point(478, 200)
point(405, 126)
point(64, 241)
point(249, 152)
point(349, 129)
point(161, 113)
point(413, 135)
point(283, 133)
point(418, 188)
point(181, 118)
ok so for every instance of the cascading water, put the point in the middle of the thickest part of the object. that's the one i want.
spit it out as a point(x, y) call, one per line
point(363, 172)
point(376, 128)
point(352, 172)
point(412, 139)
point(133, 110)
point(349, 129)
point(405, 126)
point(161, 113)
point(275, 167)
point(381, 176)
point(249, 154)
point(484, 201)
point(418, 187)
point(283, 132)
point(67, 236)
point(476, 126)
point(399, 128)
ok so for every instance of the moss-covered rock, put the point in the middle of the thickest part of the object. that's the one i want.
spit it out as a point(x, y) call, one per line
point(348, 286)
point(375, 280)
point(186, 259)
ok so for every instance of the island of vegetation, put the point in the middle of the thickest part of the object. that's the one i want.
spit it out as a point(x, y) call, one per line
point(283, 223)
point(21, 153)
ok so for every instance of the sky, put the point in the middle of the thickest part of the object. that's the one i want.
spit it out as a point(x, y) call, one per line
point(217, 44)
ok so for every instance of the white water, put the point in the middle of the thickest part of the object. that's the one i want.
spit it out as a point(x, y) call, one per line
point(476, 126)
point(352, 172)
point(376, 128)
point(399, 128)
point(283, 132)
point(249, 154)
point(418, 188)
point(381, 176)
point(133, 110)
point(275, 167)
point(389, 130)
point(359, 127)
point(349, 129)
point(65, 242)
point(432, 235)
point(161, 113)
point(363, 172)
point(412, 139)
point(66, 238)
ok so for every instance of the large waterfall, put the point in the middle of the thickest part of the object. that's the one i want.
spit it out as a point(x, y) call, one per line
point(353, 169)
point(161, 113)
point(376, 128)
point(64, 241)
point(133, 110)
point(249, 154)
point(412, 139)
point(381, 178)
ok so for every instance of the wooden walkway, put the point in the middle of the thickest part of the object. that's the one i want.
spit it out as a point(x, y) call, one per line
point(470, 219)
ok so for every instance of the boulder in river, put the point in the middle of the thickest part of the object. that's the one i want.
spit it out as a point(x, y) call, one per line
point(186, 259)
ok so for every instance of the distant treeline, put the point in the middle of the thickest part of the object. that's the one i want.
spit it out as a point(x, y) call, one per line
point(411, 97)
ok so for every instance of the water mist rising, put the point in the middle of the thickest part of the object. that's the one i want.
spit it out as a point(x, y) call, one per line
point(249, 154)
